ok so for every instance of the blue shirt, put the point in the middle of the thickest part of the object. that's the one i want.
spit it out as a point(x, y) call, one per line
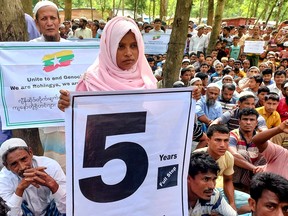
point(212, 112)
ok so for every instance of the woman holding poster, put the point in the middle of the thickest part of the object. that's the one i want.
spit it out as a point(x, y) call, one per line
point(121, 64)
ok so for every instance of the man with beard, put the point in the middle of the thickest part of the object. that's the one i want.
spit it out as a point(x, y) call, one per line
point(102, 24)
point(203, 199)
point(247, 159)
point(208, 108)
point(31, 185)
point(48, 21)
point(83, 32)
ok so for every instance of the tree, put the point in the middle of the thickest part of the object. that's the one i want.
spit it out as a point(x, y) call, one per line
point(177, 42)
point(13, 28)
point(27, 7)
point(68, 9)
point(210, 12)
point(163, 9)
point(217, 25)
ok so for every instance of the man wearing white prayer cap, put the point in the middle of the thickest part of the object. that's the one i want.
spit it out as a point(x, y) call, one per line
point(31, 185)
point(208, 108)
point(48, 21)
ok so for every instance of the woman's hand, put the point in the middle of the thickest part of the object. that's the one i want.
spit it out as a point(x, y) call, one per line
point(64, 100)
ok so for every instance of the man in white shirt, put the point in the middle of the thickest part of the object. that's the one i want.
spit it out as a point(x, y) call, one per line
point(83, 32)
point(198, 42)
point(157, 26)
point(29, 184)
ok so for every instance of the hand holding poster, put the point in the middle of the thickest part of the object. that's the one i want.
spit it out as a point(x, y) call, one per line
point(127, 151)
point(32, 75)
point(256, 47)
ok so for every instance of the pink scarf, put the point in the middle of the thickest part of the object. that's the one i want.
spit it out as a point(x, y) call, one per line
point(105, 75)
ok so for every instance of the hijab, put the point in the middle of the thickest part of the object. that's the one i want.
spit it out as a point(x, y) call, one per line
point(105, 75)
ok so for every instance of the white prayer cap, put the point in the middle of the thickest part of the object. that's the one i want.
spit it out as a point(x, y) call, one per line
point(195, 80)
point(286, 85)
point(227, 76)
point(246, 93)
point(11, 143)
point(214, 85)
point(41, 4)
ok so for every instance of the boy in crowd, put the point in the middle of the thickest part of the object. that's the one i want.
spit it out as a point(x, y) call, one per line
point(262, 92)
point(267, 76)
point(268, 111)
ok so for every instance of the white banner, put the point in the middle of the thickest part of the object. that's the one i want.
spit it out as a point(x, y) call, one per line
point(156, 43)
point(31, 76)
point(128, 152)
point(255, 47)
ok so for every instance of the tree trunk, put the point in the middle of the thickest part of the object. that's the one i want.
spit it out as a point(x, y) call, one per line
point(177, 42)
point(135, 9)
point(154, 9)
point(13, 28)
point(201, 2)
point(27, 7)
point(123, 8)
point(210, 12)
point(216, 26)
point(68, 9)
point(271, 11)
point(163, 9)
point(279, 12)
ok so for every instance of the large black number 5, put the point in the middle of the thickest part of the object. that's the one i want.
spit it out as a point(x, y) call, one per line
point(98, 127)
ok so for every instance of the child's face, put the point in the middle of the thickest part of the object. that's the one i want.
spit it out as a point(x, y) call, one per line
point(279, 79)
point(261, 97)
point(252, 83)
point(186, 77)
point(209, 61)
point(185, 64)
point(235, 41)
point(267, 77)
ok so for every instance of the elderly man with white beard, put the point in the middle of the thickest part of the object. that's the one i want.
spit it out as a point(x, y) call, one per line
point(208, 108)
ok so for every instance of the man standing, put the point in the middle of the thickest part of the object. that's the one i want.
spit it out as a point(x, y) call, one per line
point(83, 32)
point(157, 26)
point(29, 184)
point(48, 21)
point(199, 42)
point(203, 199)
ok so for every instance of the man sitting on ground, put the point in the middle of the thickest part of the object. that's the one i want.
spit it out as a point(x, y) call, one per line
point(218, 142)
point(29, 184)
point(269, 195)
point(247, 159)
point(203, 199)
point(275, 155)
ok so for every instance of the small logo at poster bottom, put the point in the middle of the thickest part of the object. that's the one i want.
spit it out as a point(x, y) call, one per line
point(167, 176)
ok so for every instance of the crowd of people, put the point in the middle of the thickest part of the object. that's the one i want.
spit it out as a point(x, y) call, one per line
point(241, 126)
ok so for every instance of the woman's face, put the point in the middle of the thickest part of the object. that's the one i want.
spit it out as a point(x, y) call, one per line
point(127, 52)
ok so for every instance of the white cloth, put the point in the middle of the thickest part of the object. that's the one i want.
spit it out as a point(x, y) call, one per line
point(42, 39)
point(198, 43)
point(85, 33)
point(37, 198)
point(216, 204)
point(273, 88)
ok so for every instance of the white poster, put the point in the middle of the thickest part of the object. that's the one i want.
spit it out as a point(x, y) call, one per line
point(31, 75)
point(128, 152)
point(256, 47)
point(156, 43)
